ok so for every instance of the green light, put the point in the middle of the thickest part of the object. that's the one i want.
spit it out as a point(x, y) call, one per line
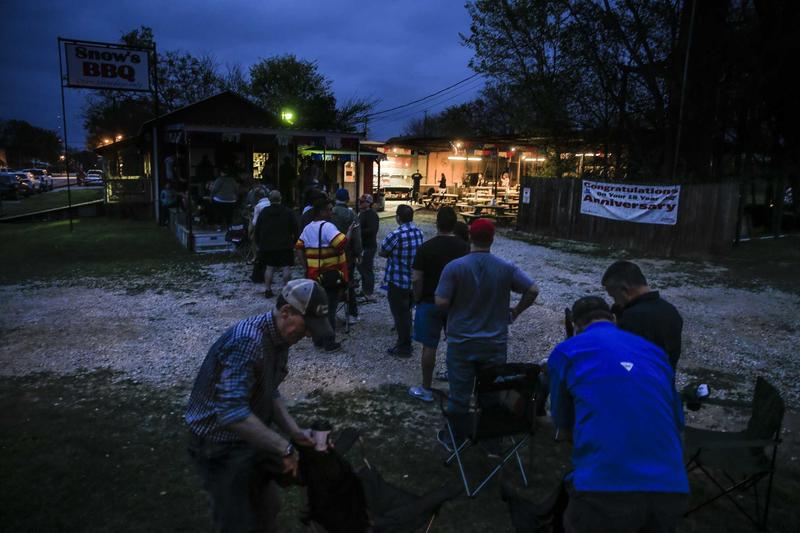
point(287, 116)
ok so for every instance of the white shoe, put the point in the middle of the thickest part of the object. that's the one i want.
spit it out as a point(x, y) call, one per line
point(421, 393)
point(352, 320)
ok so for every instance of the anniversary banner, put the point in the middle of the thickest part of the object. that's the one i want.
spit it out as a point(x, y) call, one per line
point(645, 204)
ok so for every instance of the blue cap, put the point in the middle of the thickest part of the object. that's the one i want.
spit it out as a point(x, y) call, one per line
point(342, 195)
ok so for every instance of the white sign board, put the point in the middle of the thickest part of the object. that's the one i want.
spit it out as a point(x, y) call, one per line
point(526, 195)
point(645, 204)
point(100, 67)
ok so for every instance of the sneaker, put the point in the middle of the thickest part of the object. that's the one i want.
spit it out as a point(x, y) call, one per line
point(333, 347)
point(397, 352)
point(269, 294)
point(421, 393)
point(352, 320)
point(443, 436)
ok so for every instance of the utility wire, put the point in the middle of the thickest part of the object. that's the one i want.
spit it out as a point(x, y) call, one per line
point(429, 105)
point(424, 97)
point(433, 102)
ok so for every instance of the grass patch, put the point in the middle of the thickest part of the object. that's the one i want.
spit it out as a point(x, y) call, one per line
point(50, 200)
point(108, 248)
point(96, 453)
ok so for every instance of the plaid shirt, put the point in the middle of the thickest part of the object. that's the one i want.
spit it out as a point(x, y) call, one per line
point(239, 377)
point(400, 247)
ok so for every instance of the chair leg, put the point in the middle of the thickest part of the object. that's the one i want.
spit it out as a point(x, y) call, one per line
point(458, 459)
point(521, 467)
point(726, 492)
point(460, 448)
point(507, 457)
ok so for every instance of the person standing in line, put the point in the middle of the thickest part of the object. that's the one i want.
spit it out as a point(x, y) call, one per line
point(399, 248)
point(429, 320)
point(642, 311)
point(346, 221)
point(443, 182)
point(416, 178)
point(475, 291)
point(235, 402)
point(224, 197)
point(612, 398)
point(370, 223)
point(321, 248)
point(276, 234)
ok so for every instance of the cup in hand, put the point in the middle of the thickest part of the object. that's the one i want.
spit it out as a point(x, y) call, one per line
point(320, 438)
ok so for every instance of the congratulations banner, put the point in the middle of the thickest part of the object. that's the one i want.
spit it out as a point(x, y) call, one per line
point(645, 204)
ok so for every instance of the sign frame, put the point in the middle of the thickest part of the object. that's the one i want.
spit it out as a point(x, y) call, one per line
point(151, 58)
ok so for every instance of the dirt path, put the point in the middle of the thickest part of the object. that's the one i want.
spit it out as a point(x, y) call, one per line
point(153, 333)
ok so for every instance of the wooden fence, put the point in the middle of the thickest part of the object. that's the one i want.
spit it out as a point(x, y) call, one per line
point(707, 219)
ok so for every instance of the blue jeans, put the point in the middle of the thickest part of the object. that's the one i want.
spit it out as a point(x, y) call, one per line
point(463, 360)
point(240, 483)
point(367, 270)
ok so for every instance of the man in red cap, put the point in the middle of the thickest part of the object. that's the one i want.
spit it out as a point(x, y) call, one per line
point(475, 290)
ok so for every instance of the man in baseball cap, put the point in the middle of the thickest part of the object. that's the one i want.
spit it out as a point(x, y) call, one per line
point(475, 290)
point(605, 383)
point(241, 435)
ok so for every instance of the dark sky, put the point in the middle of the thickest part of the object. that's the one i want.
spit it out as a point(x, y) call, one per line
point(390, 50)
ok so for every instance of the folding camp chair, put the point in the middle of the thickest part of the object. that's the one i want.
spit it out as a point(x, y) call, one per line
point(504, 406)
point(743, 458)
point(389, 509)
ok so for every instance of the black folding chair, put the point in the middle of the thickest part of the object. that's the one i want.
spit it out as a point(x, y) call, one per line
point(742, 459)
point(503, 406)
point(388, 508)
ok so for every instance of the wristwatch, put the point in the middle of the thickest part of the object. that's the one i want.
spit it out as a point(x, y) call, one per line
point(289, 450)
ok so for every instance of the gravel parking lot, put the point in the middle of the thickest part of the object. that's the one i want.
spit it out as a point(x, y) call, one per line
point(158, 329)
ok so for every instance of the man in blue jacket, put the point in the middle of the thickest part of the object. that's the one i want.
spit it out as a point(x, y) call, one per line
point(612, 396)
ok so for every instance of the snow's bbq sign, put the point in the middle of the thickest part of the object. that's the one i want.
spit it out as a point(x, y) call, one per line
point(101, 67)
point(646, 204)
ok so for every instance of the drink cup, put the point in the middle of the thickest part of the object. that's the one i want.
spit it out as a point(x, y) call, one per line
point(320, 439)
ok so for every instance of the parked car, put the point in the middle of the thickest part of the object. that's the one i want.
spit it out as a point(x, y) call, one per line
point(43, 176)
point(9, 187)
point(93, 177)
point(28, 185)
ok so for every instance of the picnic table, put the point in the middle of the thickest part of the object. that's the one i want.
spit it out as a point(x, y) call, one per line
point(495, 212)
point(438, 199)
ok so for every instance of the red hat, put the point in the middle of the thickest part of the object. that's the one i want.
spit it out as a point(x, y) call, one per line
point(482, 231)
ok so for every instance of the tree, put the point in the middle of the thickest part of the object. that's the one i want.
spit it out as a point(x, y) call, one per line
point(282, 83)
point(286, 83)
point(24, 143)
point(182, 80)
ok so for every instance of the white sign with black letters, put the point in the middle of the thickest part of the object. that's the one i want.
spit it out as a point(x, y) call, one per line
point(100, 67)
point(645, 204)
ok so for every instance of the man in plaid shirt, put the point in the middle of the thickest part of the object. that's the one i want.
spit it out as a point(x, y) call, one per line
point(235, 400)
point(399, 248)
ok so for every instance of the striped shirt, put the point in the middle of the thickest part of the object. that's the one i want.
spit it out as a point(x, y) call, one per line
point(239, 377)
point(400, 247)
point(329, 254)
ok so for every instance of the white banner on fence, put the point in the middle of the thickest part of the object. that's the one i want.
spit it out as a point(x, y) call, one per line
point(645, 204)
point(107, 68)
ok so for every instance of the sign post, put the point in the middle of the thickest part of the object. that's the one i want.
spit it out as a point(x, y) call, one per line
point(105, 66)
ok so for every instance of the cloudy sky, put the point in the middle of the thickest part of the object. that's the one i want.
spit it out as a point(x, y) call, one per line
point(394, 51)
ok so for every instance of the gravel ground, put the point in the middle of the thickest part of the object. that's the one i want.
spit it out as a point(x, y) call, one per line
point(160, 336)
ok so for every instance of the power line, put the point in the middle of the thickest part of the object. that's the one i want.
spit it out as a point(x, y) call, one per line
point(424, 97)
point(428, 104)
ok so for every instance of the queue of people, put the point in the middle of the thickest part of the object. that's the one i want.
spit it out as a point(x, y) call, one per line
point(627, 470)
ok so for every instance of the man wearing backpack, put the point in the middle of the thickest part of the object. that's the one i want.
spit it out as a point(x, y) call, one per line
point(321, 248)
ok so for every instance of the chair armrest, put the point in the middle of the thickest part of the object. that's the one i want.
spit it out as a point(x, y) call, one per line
point(727, 403)
point(750, 443)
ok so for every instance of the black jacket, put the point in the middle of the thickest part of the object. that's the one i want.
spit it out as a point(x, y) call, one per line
point(369, 228)
point(656, 320)
point(276, 228)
